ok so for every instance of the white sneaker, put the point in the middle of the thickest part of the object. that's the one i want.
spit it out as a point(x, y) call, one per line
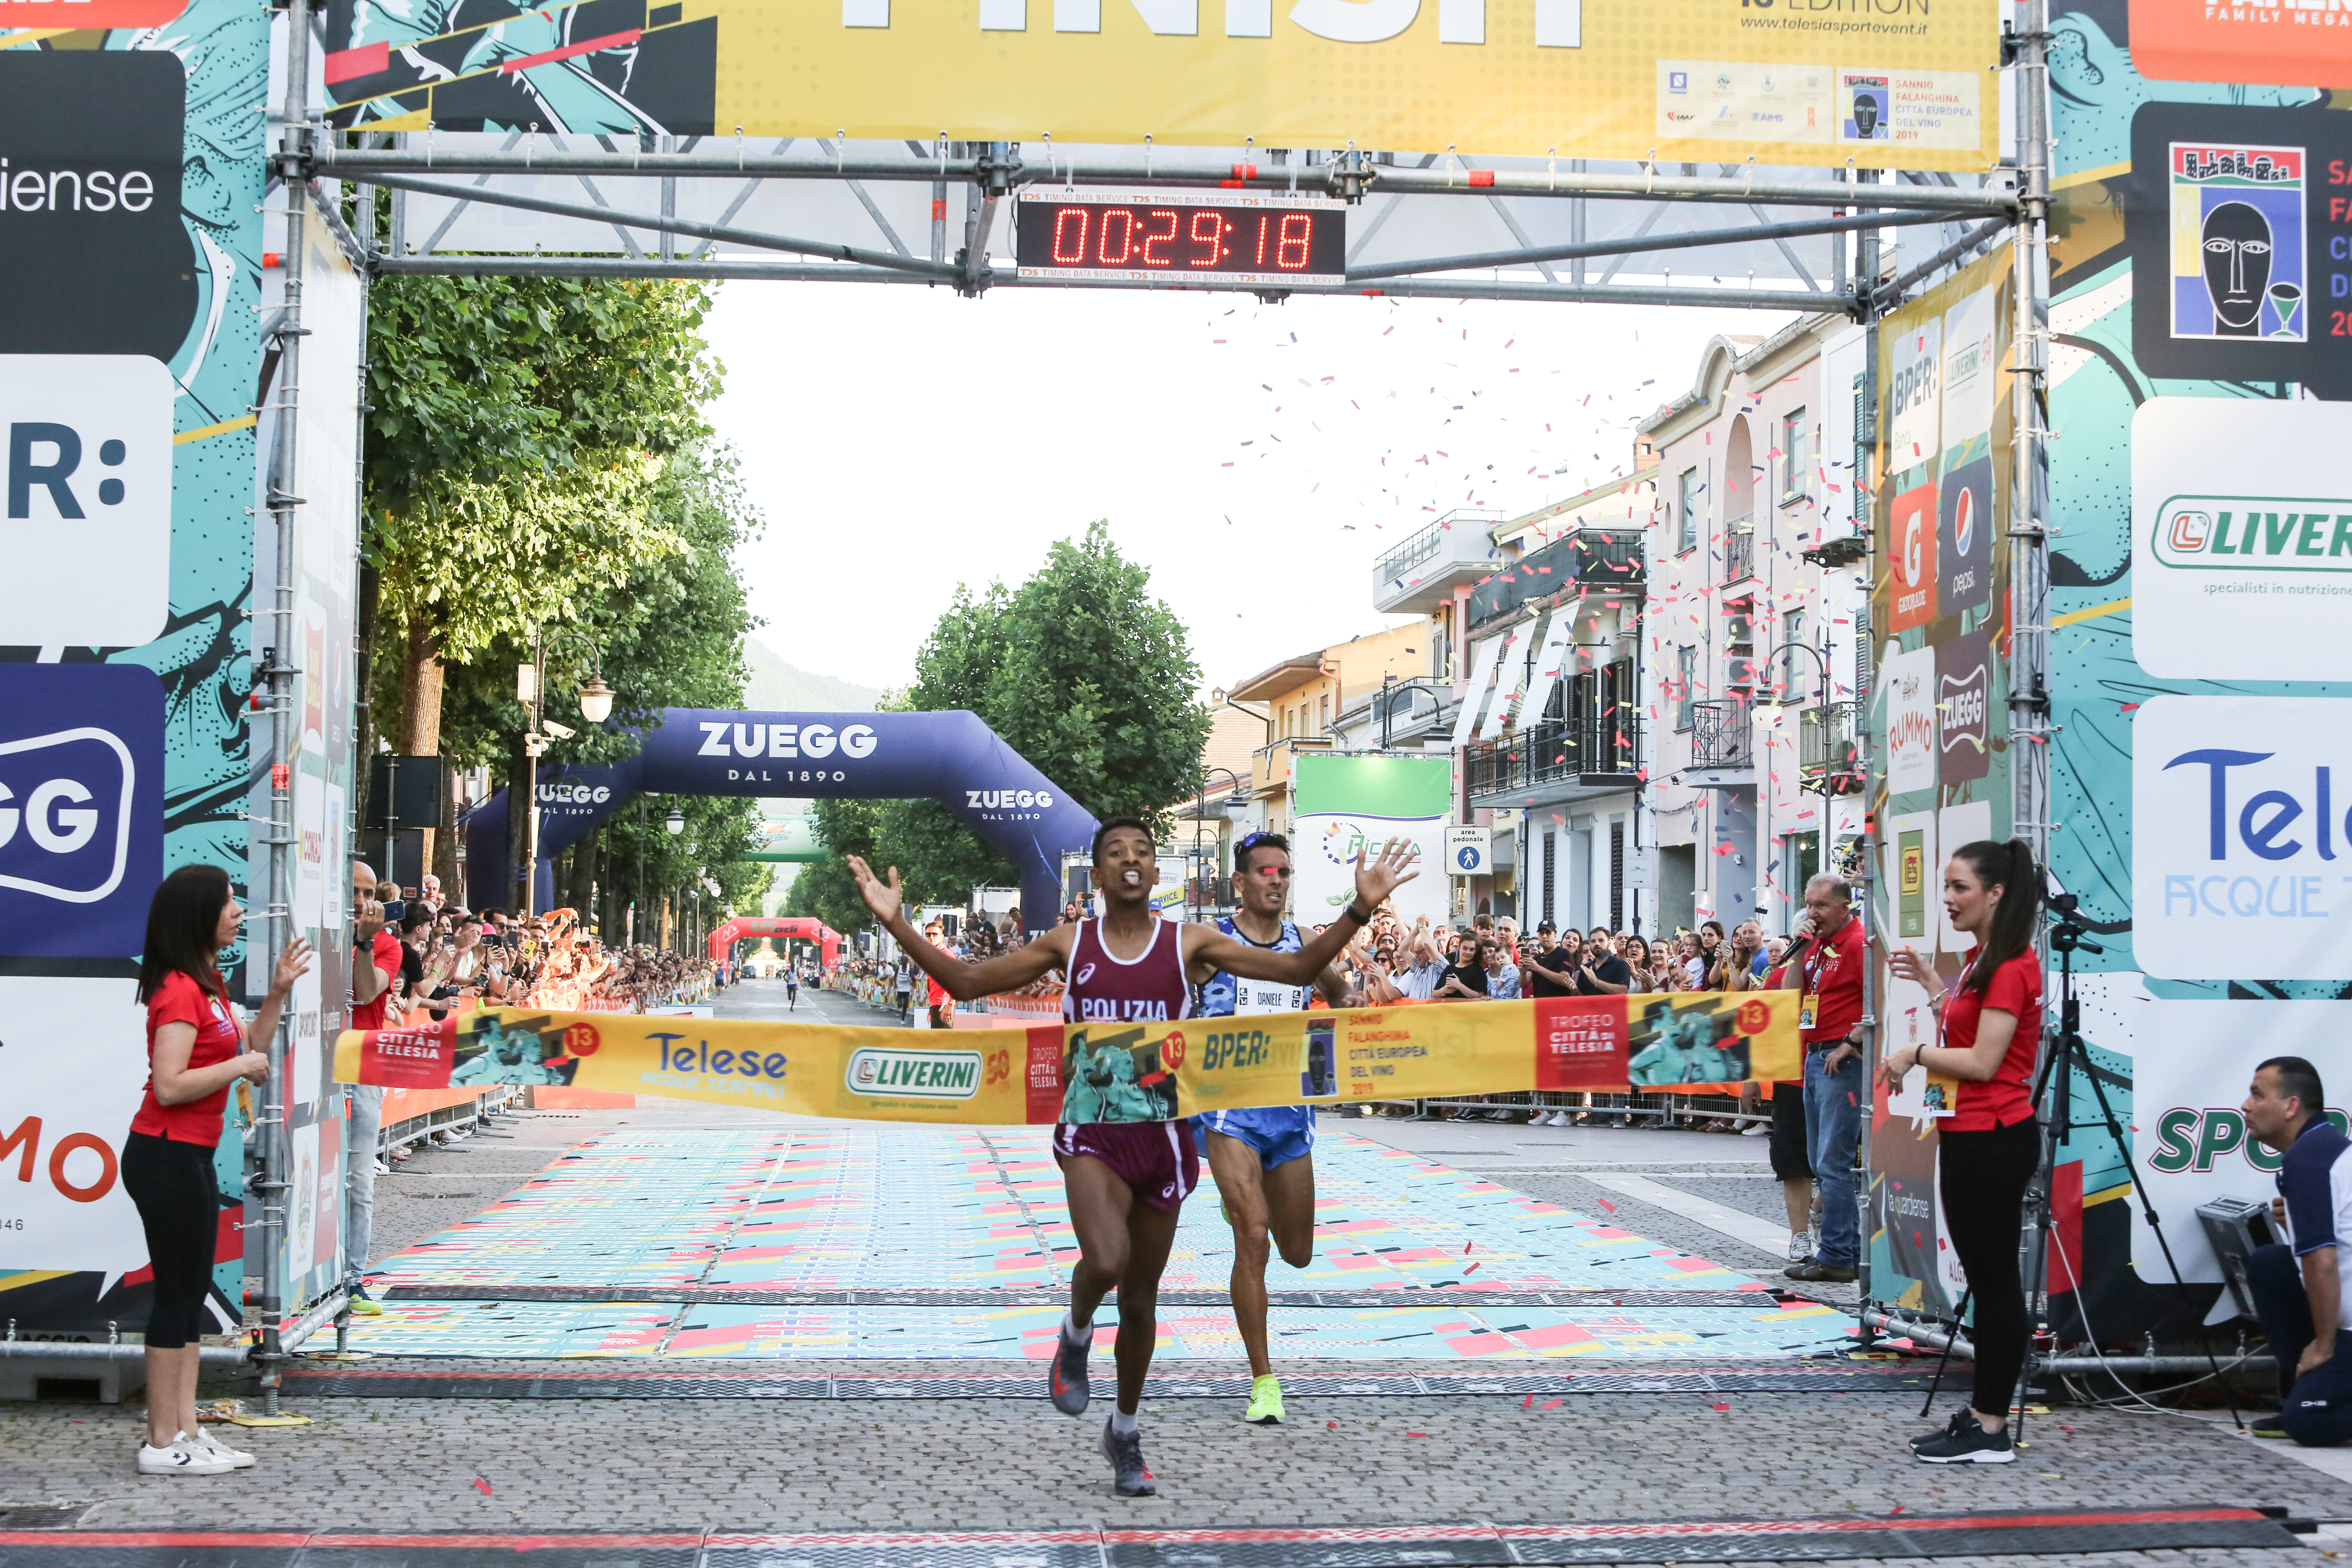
point(238, 1457)
point(182, 1458)
point(1801, 1246)
point(1755, 1130)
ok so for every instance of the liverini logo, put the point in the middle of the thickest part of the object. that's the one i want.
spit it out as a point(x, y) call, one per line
point(2253, 533)
point(892, 1074)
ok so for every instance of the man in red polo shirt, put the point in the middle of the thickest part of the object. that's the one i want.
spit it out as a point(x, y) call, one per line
point(1827, 959)
point(375, 959)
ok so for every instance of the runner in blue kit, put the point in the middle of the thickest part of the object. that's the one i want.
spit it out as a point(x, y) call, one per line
point(1264, 1160)
point(1127, 1163)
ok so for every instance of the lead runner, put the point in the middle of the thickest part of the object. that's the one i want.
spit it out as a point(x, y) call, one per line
point(1126, 1162)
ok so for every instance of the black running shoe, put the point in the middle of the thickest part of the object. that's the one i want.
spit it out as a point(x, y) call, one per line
point(1961, 1417)
point(1125, 1452)
point(2270, 1423)
point(1968, 1443)
point(1067, 1380)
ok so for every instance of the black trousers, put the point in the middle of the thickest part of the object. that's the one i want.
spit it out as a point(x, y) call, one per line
point(179, 1208)
point(2317, 1409)
point(1984, 1177)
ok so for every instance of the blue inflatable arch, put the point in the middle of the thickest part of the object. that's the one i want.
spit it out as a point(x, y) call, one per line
point(951, 757)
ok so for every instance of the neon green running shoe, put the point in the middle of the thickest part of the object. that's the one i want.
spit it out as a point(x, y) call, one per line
point(1265, 1402)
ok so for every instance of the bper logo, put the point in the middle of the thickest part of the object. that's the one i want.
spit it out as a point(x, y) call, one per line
point(85, 477)
point(81, 830)
point(2254, 533)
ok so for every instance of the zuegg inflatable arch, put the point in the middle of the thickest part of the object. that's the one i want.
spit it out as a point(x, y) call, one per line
point(951, 757)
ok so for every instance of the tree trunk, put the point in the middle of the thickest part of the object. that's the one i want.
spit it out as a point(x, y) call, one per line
point(444, 844)
point(419, 732)
point(363, 727)
point(520, 799)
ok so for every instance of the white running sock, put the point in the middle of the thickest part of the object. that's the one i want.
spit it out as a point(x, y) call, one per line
point(1122, 1423)
point(1074, 1332)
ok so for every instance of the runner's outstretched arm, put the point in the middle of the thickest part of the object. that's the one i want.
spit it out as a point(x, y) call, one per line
point(1212, 949)
point(1008, 972)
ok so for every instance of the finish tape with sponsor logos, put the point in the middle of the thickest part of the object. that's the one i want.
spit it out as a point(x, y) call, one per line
point(1095, 1071)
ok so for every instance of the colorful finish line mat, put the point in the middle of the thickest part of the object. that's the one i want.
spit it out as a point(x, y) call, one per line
point(957, 1211)
point(1102, 1071)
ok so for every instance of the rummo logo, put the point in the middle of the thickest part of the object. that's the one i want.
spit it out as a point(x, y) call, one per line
point(2248, 533)
point(890, 1073)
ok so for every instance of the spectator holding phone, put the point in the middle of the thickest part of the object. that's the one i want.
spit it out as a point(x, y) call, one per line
point(197, 1048)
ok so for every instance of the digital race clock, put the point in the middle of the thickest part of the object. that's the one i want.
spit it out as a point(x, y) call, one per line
point(1169, 238)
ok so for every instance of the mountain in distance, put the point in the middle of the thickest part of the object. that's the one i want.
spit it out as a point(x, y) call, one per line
point(777, 687)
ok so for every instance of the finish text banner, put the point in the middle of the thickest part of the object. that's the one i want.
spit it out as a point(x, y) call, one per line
point(1105, 1071)
point(1886, 83)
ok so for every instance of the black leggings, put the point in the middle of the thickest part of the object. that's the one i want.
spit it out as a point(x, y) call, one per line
point(1983, 1180)
point(179, 1208)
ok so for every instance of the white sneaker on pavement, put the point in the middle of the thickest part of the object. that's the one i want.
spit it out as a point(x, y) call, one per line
point(1801, 1246)
point(238, 1457)
point(182, 1458)
point(1755, 1130)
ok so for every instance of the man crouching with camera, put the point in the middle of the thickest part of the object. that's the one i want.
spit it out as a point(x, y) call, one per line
point(2302, 1289)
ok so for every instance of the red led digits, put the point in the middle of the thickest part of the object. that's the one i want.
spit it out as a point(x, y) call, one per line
point(1289, 241)
point(1126, 221)
point(1155, 237)
point(1207, 230)
point(1072, 253)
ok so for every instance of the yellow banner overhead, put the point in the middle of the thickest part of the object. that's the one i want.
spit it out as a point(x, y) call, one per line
point(1884, 83)
point(1104, 1072)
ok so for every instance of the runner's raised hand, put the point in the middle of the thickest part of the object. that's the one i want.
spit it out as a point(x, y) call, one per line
point(883, 899)
point(1384, 876)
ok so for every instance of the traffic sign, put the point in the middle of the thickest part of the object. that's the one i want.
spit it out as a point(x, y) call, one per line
point(1469, 851)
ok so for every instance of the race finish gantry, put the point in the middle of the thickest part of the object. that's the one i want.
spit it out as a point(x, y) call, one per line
point(1862, 161)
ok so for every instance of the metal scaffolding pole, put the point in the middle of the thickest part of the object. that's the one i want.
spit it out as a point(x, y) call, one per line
point(277, 673)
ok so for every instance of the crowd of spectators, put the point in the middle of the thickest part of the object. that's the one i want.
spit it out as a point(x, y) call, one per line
point(451, 956)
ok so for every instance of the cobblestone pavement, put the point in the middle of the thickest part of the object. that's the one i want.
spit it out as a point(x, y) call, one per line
point(545, 1465)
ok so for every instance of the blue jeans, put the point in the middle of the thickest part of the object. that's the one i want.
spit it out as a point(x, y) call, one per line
point(2316, 1408)
point(1833, 1136)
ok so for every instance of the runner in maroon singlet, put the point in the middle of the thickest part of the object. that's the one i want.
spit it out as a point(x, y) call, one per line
point(1126, 1161)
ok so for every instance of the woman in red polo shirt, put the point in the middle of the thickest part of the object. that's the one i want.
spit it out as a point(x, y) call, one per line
point(1991, 1145)
point(196, 1050)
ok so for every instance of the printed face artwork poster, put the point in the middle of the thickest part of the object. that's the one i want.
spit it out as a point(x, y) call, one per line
point(130, 358)
point(2200, 363)
point(1939, 614)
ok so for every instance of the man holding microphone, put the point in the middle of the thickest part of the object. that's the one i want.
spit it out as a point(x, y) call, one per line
point(1828, 956)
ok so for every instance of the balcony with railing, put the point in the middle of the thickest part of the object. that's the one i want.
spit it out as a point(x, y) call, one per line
point(1829, 756)
point(1723, 736)
point(1422, 574)
point(1592, 558)
point(1560, 755)
point(1739, 551)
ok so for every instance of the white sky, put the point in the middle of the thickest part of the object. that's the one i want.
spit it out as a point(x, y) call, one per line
point(901, 440)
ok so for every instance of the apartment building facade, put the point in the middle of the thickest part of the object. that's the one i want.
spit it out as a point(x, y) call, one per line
point(1756, 650)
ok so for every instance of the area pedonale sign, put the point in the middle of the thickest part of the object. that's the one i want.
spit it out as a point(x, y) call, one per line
point(1885, 83)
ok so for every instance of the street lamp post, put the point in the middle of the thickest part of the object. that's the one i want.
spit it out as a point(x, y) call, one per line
point(530, 689)
point(1201, 814)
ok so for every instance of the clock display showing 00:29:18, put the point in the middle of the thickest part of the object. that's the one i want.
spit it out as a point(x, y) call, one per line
point(1206, 240)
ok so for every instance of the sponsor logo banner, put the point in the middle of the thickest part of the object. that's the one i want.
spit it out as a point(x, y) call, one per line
point(2246, 527)
point(1139, 1071)
point(1811, 82)
point(2241, 860)
point(81, 807)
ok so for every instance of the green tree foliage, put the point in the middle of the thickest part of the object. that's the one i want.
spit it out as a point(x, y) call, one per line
point(1084, 673)
point(671, 635)
point(513, 451)
point(823, 889)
